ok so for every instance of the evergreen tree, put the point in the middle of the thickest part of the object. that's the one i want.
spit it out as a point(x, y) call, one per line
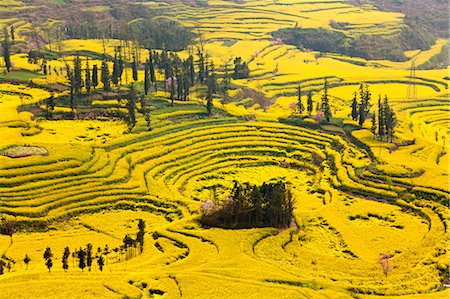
point(140, 235)
point(310, 103)
point(115, 73)
point(105, 76)
point(13, 34)
point(381, 119)
point(2, 265)
point(135, 70)
point(151, 68)
point(390, 120)
point(191, 70)
point(373, 128)
point(89, 257)
point(300, 106)
point(88, 82)
point(201, 67)
point(81, 259)
point(131, 106)
point(7, 51)
point(77, 80)
point(354, 108)
point(71, 78)
point(146, 78)
point(26, 260)
point(65, 259)
point(48, 257)
point(361, 114)
point(325, 103)
point(209, 101)
point(95, 76)
point(101, 262)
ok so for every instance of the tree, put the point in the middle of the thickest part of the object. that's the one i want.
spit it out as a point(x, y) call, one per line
point(209, 102)
point(71, 78)
point(151, 69)
point(201, 66)
point(325, 103)
point(364, 107)
point(81, 259)
point(373, 128)
point(2, 265)
point(88, 80)
point(381, 119)
point(48, 255)
point(26, 260)
point(101, 262)
point(7, 51)
point(13, 34)
point(300, 106)
point(89, 257)
point(105, 76)
point(116, 70)
point(390, 120)
point(95, 76)
point(7, 228)
point(383, 260)
point(310, 103)
point(65, 259)
point(354, 108)
point(131, 106)
point(146, 79)
point(77, 80)
point(135, 70)
point(141, 233)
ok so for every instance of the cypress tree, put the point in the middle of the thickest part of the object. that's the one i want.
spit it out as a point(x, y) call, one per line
point(300, 106)
point(201, 67)
point(48, 255)
point(78, 83)
point(191, 70)
point(354, 108)
point(131, 106)
point(115, 73)
point(373, 129)
point(13, 34)
point(135, 70)
point(146, 79)
point(325, 103)
point(381, 119)
point(71, 78)
point(310, 103)
point(65, 259)
point(151, 68)
point(209, 102)
point(101, 262)
point(141, 233)
point(7, 51)
point(89, 257)
point(81, 259)
point(105, 76)
point(95, 76)
point(88, 76)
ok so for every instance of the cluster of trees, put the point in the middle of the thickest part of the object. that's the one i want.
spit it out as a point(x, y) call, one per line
point(85, 257)
point(241, 69)
point(384, 125)
point(323, 108)
point(82, 257)
point(365, 46)
point(132, 23)
point(360, 111)
point(268, 205)
point(387, 121)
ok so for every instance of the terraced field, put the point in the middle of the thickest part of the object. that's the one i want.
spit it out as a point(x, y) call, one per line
point(356, 198)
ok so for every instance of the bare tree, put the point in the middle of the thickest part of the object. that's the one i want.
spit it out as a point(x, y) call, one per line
point(384, 263)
